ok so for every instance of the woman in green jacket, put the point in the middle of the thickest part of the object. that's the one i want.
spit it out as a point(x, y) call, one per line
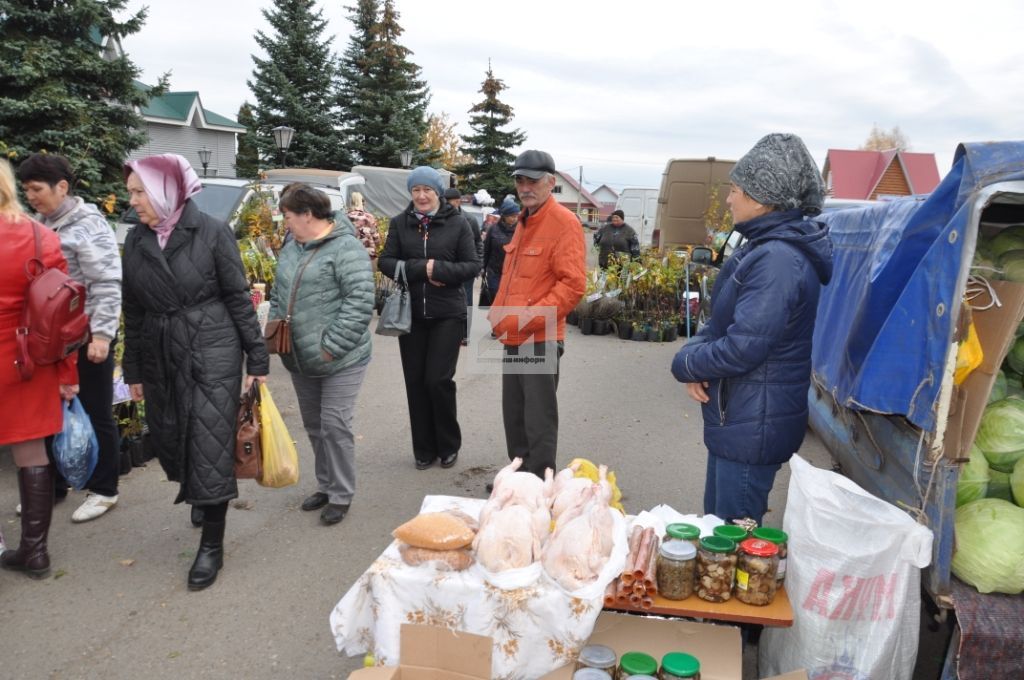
point(324, 275)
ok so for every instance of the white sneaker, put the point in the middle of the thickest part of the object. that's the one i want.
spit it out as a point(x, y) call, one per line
point(94, 506)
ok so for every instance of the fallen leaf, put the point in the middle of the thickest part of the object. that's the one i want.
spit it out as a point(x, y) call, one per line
point(126, 563)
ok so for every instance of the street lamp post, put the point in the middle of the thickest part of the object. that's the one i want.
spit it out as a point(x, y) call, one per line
point(283, 138)
point(405, 157)
point(204, 158)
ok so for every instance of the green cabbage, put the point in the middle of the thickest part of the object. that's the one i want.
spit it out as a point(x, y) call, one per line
point(998, 388)
point(1001, 433)
point(999, 485)
point(990, 546)
point(1015, 357)
point(1011, 266)
point(1016, 484)
point(1014, 389)
point(974, 477)
point(1010, 238)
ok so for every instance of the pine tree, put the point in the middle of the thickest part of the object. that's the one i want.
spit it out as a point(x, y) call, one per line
point(59, 94)
point(247, 160)
point(294, 86)
point(490, 146)
point(384, 98)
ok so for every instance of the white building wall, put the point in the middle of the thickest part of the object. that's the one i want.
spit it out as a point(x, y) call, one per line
point(186, 141)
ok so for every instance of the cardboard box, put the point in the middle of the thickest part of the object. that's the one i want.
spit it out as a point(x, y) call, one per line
point(717, 647)
point(434, 653)
point(996, 327)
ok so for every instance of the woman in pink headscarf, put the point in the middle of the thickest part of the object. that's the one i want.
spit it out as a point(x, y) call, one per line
point(188, 322)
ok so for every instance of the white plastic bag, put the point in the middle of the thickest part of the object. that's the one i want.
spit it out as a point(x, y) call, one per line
point(853, 578)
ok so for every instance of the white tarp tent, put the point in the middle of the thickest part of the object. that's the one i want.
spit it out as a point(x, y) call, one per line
point(384, 192)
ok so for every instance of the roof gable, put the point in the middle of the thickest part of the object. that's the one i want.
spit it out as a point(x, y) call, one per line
point(856, 173)
point(181, 108)
point(586, 195)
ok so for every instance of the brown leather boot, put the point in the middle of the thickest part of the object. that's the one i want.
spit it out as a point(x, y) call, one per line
point(36, 487)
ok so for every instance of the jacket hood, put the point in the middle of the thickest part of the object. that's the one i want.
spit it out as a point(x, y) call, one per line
point(79, 212)
point(809, 236)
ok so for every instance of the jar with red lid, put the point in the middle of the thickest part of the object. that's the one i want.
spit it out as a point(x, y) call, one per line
point(757, 566)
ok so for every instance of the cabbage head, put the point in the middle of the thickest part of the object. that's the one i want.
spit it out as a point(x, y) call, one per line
point(990, 546)
point(1010, 238)
point(999, 485)
point(1016, 484)
point(974, 477)
point(1001, 433)
point(998, 388)
point(1011, 266)
point(1015, 357)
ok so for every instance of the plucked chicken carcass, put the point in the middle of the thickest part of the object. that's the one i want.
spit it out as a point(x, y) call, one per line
point(570, 493)
point(527, 488)
point(581, 544)
point(508, 538)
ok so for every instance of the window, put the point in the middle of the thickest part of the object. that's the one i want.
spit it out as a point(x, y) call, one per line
point(557, 189)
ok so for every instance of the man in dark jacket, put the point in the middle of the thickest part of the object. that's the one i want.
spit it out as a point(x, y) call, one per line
point(453, 197)
point(750, 366)
point(616, 237)
point(499, 236)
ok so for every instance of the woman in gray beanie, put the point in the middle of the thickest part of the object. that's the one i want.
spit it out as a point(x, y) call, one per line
point(750, 365)
point(435, 243)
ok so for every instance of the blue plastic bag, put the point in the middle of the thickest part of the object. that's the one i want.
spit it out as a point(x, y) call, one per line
point(75, 448)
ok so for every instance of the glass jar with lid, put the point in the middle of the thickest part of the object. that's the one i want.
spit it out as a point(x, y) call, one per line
point(597, 656)
point(591, 674)
point(756, 565)
point(679, 665)
point(733, 532)
point(680, 531)
point(676, 564)
point(632, 664)
point(716, 568)
point(779, 538)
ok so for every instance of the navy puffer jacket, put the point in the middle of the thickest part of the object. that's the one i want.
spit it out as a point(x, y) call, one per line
point(755, 351)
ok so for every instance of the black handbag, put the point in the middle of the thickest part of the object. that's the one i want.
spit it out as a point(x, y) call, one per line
point(396, 315)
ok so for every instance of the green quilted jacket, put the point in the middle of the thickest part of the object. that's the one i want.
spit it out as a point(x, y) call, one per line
point(333, 304)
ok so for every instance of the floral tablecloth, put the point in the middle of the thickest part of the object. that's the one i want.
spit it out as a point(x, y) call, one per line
point(536, 627)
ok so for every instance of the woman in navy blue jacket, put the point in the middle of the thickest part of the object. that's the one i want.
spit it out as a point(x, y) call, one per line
point(750, 365)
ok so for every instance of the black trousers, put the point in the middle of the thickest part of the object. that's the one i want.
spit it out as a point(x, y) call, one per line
point(429, 355)
point(529, 405)
point(96, 392)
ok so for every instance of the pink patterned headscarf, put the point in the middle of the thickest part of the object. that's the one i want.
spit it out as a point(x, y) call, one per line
point(169, 181)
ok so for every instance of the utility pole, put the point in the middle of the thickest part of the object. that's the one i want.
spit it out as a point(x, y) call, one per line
point(579, 195)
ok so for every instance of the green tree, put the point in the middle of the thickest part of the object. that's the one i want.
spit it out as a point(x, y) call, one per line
point(294, 86)
point(489, 147)
point(60, 93)
point(383, 96)
point(247, 160)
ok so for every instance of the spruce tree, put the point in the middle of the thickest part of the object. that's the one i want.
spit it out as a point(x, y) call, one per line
point(294, 86)
point(384, 97)
point(247, 159)
point(58, 93)
point(490, 146)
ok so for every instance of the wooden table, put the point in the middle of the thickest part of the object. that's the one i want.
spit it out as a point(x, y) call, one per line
point(779, 613)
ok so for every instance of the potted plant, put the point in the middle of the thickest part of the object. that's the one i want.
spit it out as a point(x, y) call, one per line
point(639, 332)
point(623, 328)
point(670, 329)
point(132, 427)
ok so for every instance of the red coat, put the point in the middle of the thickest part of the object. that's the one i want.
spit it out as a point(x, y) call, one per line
point(29, 409)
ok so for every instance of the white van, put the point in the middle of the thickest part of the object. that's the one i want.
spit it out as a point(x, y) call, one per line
point(640, 206)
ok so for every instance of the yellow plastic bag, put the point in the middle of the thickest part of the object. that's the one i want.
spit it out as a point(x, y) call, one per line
point(969, 355)
point(280, 459)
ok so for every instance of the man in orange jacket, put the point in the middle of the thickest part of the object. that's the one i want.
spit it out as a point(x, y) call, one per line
point(543, 279)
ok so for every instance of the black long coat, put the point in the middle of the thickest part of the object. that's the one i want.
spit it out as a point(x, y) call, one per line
point(188, 318)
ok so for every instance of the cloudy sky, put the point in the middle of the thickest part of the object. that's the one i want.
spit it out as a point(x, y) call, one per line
point(619, 88)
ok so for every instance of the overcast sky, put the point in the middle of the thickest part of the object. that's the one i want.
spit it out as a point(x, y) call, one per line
point(619, 88)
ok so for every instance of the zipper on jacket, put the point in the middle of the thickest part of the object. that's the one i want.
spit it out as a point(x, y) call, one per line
point(426, 234)
point(721, 406)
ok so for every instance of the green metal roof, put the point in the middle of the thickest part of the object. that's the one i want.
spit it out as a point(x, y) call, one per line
point(176, 106)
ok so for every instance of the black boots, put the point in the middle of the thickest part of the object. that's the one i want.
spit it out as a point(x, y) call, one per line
point(35, 485)
point(209, 558)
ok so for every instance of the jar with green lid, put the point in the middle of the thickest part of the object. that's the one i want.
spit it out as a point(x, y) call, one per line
point(675, 566)
point(679, 665)
point(597, 656)
point(756, 565)
point(716, 568)
point(683, 532)
point(591, 674)
point(632, 664)
point(779, 538)
point(733, 532)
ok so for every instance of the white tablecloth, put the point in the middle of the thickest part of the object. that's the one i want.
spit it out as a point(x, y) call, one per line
point(536, 628)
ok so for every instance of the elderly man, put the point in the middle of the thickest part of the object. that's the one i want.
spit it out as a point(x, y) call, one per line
point(544, 276)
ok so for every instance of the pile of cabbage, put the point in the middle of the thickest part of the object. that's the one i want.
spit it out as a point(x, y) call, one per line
point(1002, 255)
point(990, 494)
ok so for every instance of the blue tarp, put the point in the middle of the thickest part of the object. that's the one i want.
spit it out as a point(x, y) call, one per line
point(885, 321)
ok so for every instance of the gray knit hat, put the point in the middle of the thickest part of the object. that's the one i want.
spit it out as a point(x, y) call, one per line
point(426, 176)
point(780, 172)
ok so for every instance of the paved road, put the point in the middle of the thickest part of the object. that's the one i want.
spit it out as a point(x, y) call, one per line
point(117, 606)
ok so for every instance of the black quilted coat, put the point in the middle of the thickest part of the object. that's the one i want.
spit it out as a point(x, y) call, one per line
point(188, 319)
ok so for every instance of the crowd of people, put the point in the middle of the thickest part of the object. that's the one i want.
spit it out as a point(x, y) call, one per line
point(193, 344)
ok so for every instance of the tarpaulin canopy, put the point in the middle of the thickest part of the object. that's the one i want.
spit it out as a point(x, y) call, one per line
point(885, 321)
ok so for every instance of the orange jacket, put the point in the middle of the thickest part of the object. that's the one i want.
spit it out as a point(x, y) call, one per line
point(545, 267)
